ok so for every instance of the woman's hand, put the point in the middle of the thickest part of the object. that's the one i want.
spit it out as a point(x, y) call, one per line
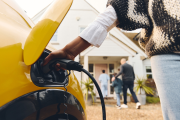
point(58, 54)
point(70, 51)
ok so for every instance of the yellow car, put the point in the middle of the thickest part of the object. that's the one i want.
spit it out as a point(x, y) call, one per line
point(25, 92)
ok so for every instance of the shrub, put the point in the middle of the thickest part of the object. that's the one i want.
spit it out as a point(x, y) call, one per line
point(88, 87)
point(141, 85)
point(152, 99)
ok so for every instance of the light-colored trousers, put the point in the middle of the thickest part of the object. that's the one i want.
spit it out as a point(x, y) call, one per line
point(166, 73)
point(118, 99)
point(104, 89)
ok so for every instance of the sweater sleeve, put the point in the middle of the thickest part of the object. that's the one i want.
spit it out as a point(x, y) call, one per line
point(97, 31)
point(132, 14)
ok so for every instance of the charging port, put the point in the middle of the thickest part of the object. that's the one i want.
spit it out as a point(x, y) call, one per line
point(52, 79)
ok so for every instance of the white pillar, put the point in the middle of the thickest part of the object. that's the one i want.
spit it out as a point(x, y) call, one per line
point(130, 60)
point(138, 66)
point(86, 65)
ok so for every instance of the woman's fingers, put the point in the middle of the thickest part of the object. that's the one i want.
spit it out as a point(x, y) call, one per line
point(53, 55)
point(47, 59)
point(58, 67)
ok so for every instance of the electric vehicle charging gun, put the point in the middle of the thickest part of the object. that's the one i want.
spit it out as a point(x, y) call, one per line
point(72, 65)
point(64, 63)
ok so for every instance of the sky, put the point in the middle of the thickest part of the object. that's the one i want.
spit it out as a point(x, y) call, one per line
point(34, 6)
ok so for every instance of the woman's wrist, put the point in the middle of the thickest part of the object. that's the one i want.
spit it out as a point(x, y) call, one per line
point(75, 47)
point(69, 54)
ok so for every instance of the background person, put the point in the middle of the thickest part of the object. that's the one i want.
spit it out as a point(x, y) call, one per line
point(160, 38)
point(103, 78)
point(128, 78)
point(117, 84)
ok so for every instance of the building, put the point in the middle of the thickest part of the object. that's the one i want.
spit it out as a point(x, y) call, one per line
point(117, 44)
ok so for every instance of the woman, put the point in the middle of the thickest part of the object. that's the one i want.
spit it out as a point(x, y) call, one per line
point(117, 84)
point(160, 20)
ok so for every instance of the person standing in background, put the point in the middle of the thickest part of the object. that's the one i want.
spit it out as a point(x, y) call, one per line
point(103, 78)
point(117, 84)
point(128, 78)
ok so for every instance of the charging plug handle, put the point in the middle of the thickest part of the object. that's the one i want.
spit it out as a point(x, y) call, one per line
point(64, 63)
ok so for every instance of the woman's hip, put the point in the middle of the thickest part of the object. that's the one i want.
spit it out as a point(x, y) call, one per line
point(166, 65)
point(166, 73)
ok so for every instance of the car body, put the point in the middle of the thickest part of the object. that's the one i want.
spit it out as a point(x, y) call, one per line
point(25, 92)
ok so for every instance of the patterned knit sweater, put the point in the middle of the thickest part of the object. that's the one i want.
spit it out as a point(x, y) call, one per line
point(160, 20)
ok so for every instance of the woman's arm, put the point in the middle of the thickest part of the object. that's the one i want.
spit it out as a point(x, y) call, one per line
point(70, 51)
point(94, 35)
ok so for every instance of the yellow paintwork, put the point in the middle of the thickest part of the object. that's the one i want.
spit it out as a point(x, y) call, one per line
point(44, 30)
point(19, 11)
point(15, 27)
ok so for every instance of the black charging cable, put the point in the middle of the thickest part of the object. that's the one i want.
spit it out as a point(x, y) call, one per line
point(72, 65)
point(99, 91)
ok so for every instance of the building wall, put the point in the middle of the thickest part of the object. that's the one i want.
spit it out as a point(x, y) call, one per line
point(70, 27)
point(108, 48)
point(80, 15)
point(137, 64)
point(146, 64)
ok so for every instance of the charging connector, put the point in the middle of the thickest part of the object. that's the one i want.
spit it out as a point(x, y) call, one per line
point(64, 63)
point(72, 65)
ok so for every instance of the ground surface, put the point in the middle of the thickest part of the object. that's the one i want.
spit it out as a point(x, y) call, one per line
point(147, 112)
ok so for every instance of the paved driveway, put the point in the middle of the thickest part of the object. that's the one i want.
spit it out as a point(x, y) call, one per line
point(147, 112)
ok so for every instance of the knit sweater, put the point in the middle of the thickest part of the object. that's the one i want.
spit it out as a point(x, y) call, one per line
point(159, 20)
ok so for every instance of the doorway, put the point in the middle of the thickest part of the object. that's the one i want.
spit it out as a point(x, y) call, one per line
point(98, 72)
point(109, 69)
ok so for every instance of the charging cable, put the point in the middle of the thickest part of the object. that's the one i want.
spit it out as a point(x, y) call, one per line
point(72, 65)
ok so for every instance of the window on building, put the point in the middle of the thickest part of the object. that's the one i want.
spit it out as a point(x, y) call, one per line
point(91, 69)
point(54, 38)
point(81, 29)
point(111, 68)
point(149, 72)
point(111, 71)
point(112, 90)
